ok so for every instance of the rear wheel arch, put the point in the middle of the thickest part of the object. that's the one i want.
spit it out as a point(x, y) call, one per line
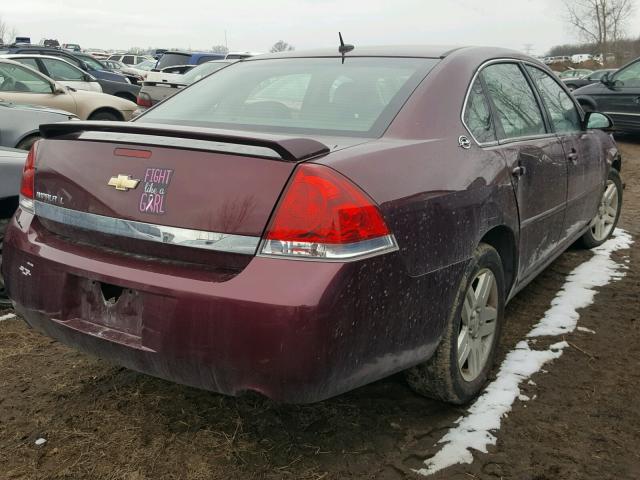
point(105, 110)
point(503, 240)
point(27, 140)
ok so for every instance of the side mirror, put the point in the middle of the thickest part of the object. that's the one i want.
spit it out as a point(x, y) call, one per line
point(88, 78)
point(605, 79)
point(58, 89)
point(598, 121)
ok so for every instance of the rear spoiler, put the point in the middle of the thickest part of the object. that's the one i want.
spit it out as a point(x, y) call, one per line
point(291, 149)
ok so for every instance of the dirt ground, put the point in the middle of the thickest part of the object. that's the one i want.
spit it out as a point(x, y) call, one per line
point(104, 422)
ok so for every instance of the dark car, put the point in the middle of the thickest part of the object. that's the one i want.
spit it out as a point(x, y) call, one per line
point(11, 165)
point(123, 89)
point(175, 58)
point(301, 224)
point(618, 95)
point(154, 92)
point(594, 77)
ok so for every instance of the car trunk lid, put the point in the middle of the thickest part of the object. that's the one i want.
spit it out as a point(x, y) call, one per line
point(113, 183)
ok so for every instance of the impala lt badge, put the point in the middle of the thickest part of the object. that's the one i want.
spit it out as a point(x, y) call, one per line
point(123, 182)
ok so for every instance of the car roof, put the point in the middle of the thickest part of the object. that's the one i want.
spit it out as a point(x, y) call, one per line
point(35, 55)
point(425, 51)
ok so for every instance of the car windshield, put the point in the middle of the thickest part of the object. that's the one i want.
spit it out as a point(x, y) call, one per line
point(303, 95)
point(202, 71)
point(92, 62)
point(171, 59)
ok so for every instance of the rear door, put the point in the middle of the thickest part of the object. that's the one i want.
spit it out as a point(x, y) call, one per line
point(581, 149)
point(535, 157)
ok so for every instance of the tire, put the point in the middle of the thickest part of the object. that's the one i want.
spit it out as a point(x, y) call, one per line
point(27, 143)
point(441, 377)
point(608, 213)
point(105, 116)
point(4, 301)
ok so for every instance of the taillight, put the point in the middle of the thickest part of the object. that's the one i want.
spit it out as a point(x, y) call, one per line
point(28, 178)
point(143, 100)
point(322, 215)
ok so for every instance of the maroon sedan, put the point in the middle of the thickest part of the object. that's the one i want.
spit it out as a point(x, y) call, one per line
point(302, 224)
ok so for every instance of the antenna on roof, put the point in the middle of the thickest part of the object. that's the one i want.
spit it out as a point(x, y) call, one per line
point(344, 48)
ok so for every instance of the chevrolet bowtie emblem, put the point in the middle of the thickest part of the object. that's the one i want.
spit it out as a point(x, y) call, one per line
point(123, 182)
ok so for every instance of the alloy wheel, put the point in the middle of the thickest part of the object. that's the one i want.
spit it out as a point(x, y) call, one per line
point(604, 221)
point(478, 325)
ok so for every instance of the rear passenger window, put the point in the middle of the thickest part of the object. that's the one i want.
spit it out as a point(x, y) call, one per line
point(564, 115)
point(128, 60)
point(516, 107)
point(477, 115)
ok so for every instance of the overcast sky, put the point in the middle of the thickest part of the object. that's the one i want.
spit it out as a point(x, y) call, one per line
point(255, 25)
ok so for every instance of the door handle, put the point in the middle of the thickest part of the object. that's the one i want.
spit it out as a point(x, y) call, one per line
point(518, 171)
point(636, 100)
point(573, 156)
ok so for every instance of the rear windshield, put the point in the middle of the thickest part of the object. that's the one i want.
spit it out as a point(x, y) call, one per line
point(171, 59)
point(304, 95)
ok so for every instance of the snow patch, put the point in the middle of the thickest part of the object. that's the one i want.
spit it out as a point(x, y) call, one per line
point(8, 316)
point(41, 441)
point(476, 429)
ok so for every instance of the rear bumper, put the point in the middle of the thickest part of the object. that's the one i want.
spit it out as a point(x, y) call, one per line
point(294, 331)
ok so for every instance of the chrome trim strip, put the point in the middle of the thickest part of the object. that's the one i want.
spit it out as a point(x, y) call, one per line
point(623, 113)
point(221, 242)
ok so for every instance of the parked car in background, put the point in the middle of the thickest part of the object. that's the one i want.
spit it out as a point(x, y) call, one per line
point(60, 70)
point(23, 85)
point(574, 73)
point(11, 166)
point(123, 88)
point(158, 52)
point(581, 57)
point(51, 43)
point(81, 60)
point(618, 95)
point(97, 53)
point(20, 124)
point(72, 47)
point(593, 77)
point(175, 57)
point(396, 237)
point(136, 74)
point(130, 58)
point(154, 92)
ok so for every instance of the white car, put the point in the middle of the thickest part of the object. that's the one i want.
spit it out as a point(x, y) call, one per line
point(581, 57)
point(60, 70)
point(129, 58)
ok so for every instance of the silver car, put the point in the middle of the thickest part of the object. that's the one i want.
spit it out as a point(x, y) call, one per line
point(20, 124)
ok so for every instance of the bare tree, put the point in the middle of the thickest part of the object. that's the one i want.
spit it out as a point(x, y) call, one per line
point(219, 49)
point(600, 22)
point(3, 30)
point(281, 46)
